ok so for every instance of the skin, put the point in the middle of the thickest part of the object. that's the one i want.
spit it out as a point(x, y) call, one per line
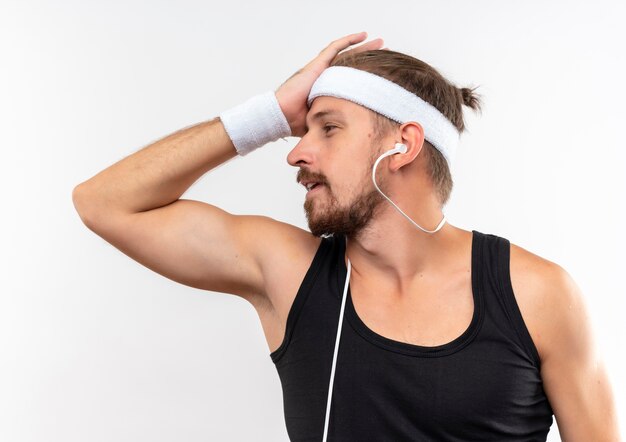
point(401, 276)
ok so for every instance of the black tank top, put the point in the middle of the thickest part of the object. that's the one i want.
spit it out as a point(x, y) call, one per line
point(483, 385)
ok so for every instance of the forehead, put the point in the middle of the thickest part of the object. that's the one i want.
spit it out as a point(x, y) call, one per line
point(322, 107)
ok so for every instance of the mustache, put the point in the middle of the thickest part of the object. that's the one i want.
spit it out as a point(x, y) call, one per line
point(305, 175)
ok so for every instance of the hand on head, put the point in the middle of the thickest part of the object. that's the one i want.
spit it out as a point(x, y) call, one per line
point(293, 93)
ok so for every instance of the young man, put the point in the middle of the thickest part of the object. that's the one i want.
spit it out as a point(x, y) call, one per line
point(449, 334)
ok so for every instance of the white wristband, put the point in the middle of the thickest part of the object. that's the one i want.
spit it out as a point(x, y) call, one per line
point(255, 122)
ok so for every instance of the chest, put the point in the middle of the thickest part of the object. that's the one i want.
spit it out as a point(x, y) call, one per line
point(433, 314)
point(468, 395)
point(438, 398)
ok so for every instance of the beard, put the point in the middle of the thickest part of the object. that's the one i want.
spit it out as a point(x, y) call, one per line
point(326, 216)
point(335, 219)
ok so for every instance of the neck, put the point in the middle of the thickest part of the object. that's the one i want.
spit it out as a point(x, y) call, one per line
point(395, 253)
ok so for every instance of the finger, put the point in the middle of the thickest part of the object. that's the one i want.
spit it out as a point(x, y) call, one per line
point(370, 45)
point(330, 51)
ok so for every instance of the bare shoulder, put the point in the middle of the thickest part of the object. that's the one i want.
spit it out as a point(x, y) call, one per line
point(545, 293)
point(573, 373)
point(287, 252)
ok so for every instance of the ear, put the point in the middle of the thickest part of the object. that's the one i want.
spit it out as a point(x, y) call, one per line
point(412, 135)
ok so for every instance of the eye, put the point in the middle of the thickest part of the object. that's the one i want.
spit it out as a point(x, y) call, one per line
point(328, 127)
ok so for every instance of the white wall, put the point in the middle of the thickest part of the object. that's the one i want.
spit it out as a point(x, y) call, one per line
point(96, 347)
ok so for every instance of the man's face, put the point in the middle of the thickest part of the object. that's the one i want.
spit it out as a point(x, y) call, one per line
point(338, 152)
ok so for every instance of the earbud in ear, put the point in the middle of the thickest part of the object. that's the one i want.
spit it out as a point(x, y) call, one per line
point(400, 148)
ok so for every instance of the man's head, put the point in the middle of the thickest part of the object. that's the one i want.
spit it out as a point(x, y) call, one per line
point(343, 140)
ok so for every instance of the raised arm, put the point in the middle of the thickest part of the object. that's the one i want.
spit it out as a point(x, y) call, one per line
point(135, 204)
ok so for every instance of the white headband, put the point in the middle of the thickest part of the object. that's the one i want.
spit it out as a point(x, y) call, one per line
point(389, 99)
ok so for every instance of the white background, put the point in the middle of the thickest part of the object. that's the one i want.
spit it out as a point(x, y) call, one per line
point(95, 347)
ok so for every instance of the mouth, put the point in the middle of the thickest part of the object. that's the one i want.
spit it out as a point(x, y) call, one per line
point(312, 187)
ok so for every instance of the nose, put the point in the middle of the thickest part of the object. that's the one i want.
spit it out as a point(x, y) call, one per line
point(302, 153)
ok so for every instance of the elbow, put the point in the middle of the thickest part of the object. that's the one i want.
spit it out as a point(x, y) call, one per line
point(83, 205)
point(93, 210)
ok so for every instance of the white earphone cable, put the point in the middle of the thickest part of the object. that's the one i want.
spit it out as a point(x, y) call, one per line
point(332, 372)
point(391, 152)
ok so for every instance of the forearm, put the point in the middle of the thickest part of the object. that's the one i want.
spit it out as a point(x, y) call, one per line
point(158, 174)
